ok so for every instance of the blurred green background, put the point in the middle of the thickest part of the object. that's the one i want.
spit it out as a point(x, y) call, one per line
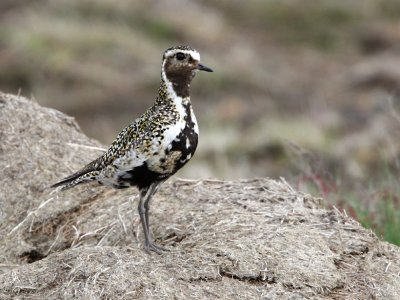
point(308, 90)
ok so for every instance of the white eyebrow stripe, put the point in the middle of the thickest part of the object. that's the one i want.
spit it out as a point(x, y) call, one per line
point(194, 54)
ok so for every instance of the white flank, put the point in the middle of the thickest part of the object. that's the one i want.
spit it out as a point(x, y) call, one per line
point(130, 160)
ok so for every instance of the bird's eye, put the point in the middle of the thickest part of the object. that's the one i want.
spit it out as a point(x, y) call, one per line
point(180, 56)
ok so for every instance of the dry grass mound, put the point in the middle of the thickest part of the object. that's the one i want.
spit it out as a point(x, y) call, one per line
point(246, 239)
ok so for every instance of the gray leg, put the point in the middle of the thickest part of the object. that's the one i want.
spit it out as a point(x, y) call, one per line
point(143, 208)
point(152, 190)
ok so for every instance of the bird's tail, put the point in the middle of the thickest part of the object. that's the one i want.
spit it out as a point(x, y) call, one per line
point(75, 179)
point(87, 174)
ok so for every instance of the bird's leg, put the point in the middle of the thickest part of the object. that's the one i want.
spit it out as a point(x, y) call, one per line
point(146, 205)
point(152, 190)
point(142, 215)
point(143, 208)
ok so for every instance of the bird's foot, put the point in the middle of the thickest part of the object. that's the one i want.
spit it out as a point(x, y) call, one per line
point(151, 246)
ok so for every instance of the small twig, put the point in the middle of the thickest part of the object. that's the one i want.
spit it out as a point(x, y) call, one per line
point(8, 265)
point(287, 184)
point(22, 222)
point(387, 267)
point(87, 147)
point(76, 239)
point(30, 214)
point(106, 234)
point(44, 203)
point(179, 179)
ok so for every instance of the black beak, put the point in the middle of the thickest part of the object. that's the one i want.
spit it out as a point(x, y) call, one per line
point(204, 68)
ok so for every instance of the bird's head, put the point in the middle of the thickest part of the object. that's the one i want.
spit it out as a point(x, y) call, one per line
point(179, 66)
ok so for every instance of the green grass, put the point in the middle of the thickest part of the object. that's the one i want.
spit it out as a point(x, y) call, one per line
point(383, 216)
point(377, 207)
point(373, 201)
point(390, 223)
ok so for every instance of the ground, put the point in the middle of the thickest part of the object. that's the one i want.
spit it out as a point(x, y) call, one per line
point(255, 238)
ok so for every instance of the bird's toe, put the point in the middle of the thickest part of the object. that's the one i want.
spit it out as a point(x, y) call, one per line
point(152, 247)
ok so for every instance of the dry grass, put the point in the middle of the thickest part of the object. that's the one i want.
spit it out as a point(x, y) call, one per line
point(228, 239)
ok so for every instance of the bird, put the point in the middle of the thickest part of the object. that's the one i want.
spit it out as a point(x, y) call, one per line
point(154, 146)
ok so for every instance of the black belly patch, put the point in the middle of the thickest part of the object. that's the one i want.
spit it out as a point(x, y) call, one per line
point(186, 144)
point(140, 176)
point(186, 141)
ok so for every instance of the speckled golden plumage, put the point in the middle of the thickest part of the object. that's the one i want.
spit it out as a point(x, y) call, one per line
point(154, 146)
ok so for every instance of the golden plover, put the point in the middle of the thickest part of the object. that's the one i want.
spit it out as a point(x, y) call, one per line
point(156, 145)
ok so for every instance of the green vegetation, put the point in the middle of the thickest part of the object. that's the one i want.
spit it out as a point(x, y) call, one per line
point(382, 214)
point(383, 217)
point(376, 206)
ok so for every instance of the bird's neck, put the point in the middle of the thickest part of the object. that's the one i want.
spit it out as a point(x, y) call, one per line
point(177, 82)
point(173, 91)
